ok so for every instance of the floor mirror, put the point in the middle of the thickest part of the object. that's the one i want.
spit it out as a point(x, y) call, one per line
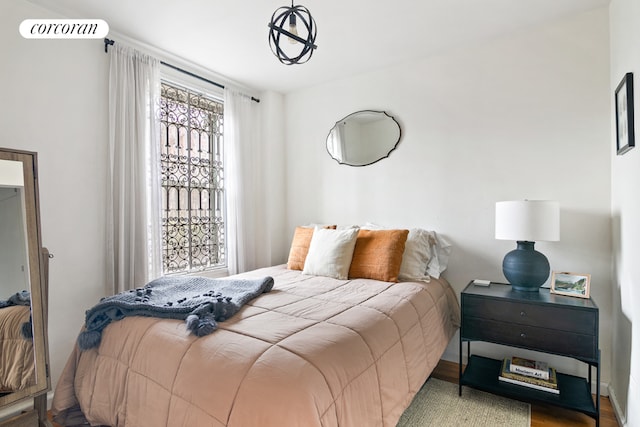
point(24, 357)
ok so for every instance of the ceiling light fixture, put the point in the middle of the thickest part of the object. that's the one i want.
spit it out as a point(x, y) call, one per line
point(301, 34)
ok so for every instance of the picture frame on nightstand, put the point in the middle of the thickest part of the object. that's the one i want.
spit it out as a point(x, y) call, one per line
point(571, 284)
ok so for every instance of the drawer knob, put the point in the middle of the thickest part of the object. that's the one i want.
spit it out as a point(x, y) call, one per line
point(523, 335)
point(522, 313)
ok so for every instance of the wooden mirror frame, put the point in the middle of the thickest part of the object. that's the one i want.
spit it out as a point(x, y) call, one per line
point(38, 277)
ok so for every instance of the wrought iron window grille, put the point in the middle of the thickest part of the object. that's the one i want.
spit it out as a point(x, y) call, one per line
point(192, 171)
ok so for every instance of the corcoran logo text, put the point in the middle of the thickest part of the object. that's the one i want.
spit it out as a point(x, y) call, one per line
point(64, 29)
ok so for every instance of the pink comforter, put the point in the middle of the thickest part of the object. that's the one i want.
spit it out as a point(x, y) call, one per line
point(315, 351)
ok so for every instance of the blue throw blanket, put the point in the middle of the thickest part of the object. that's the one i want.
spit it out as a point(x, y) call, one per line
point(200, 301)
point(19, 298)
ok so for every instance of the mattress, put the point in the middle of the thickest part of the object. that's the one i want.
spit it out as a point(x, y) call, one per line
point(315, 351)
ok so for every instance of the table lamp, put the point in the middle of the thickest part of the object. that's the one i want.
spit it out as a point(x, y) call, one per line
point(527, 221)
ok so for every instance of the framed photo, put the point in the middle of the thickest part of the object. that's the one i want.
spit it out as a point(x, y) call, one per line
point(571, 284)
point(625, 137)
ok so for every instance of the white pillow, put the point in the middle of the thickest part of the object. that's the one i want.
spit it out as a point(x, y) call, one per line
point(372, 226)
point(330, 252)
point(440, 250)
point(416, 256)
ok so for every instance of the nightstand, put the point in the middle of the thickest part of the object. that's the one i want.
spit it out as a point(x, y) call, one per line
point(540, 321)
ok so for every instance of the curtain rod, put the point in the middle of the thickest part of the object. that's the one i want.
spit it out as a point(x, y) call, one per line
point(109, 42)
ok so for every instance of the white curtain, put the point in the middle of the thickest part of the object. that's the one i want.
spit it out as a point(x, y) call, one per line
point(247, 231)
point(133, 206)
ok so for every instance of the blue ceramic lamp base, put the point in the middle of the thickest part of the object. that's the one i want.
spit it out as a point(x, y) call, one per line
point(525, 268)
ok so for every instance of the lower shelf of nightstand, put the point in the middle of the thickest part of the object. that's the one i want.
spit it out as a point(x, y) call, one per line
point(482, 374)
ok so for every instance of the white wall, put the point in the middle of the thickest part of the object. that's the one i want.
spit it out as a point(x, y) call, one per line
point(522, 117)
point(625, 209)
point(54, 102)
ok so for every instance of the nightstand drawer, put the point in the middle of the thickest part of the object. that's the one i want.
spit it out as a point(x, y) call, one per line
point(583, 346)
point(541, 315)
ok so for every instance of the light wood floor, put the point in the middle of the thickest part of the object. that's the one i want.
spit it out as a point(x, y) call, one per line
point(543, 415)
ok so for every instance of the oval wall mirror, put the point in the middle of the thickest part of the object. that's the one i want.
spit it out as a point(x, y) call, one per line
point(363, 138)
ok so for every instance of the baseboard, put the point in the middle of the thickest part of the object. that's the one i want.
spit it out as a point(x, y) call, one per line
point(617, 409)
point(604, 389)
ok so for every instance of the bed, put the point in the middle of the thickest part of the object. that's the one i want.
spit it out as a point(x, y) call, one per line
point(314, 351)
point(17, 367)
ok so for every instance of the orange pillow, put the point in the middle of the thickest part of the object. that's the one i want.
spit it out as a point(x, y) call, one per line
point(378, 254)
point(300, 246)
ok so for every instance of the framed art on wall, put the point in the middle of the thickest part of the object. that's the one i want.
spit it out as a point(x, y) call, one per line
point(625, 138)
point(571, 284)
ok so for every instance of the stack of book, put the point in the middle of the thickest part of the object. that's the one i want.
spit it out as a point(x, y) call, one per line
point(529, 373)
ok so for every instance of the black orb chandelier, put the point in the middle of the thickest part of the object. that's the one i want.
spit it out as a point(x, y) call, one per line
point(301, 34)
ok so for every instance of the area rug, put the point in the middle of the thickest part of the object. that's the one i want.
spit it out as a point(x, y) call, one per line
point(438, 404)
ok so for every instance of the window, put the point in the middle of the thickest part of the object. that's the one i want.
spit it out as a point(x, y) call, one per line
point(193, 196)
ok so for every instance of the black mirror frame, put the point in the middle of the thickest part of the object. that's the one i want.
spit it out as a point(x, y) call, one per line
point(358, 112)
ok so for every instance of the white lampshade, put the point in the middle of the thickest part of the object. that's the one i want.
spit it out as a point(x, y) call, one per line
point(528, 220)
